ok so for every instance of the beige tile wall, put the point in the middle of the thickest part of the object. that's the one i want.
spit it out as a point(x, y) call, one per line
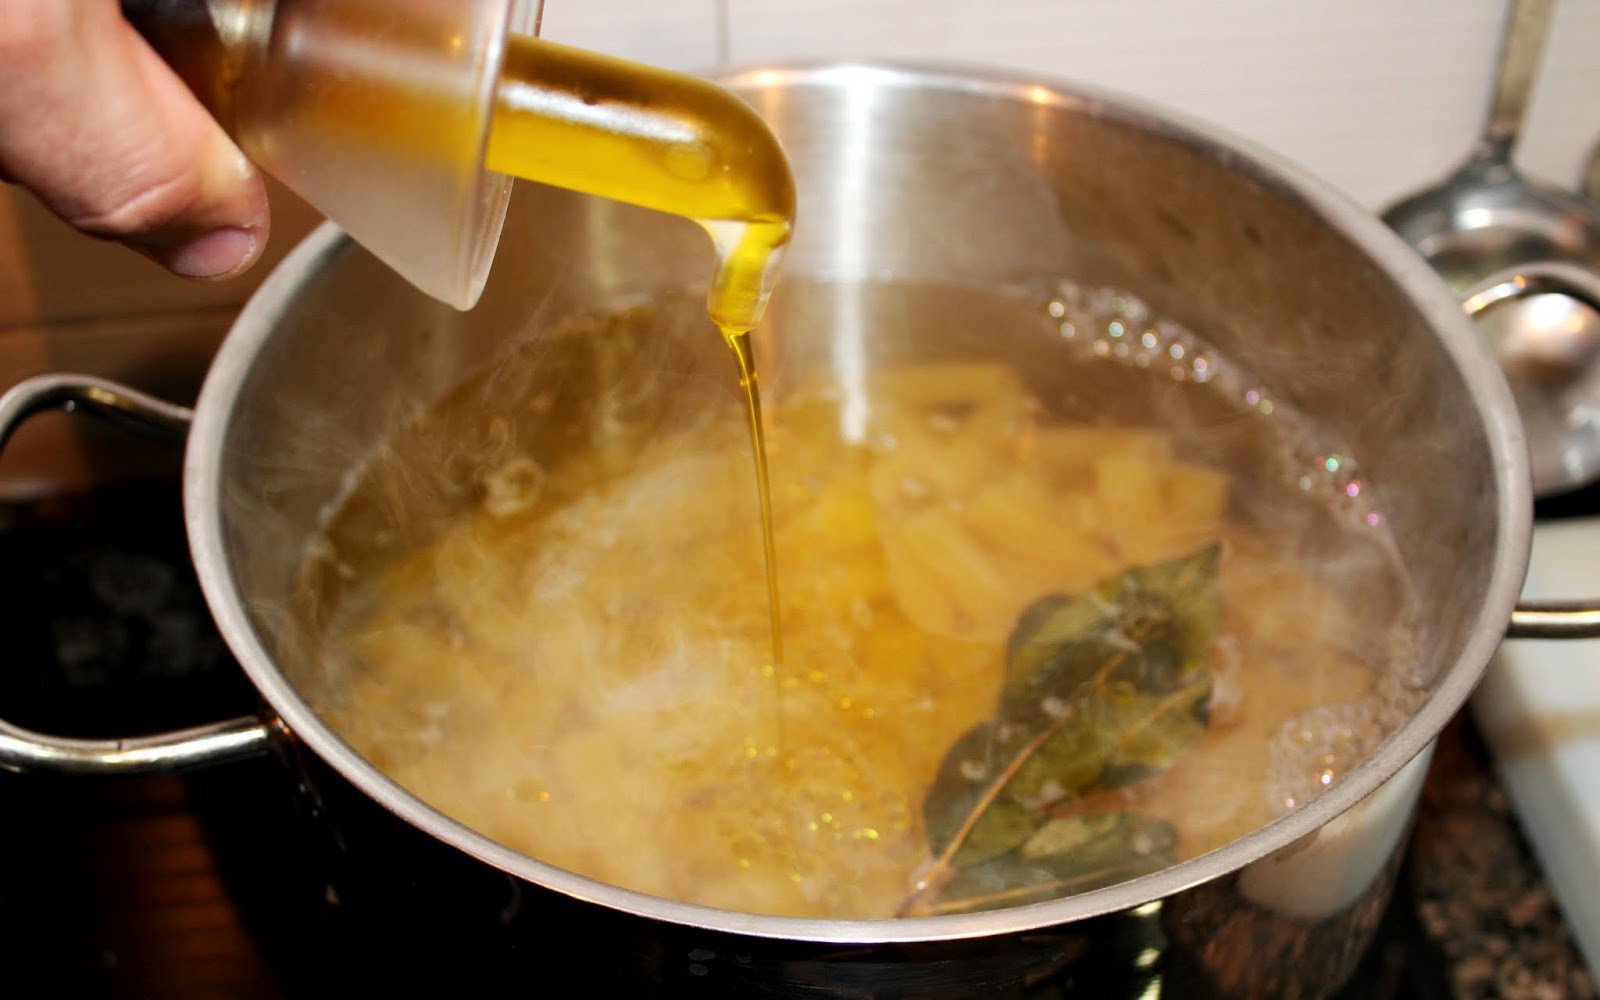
point(70, 303)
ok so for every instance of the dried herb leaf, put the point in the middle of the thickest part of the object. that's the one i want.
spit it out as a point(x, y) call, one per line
point(1102, 689)
point(1075, 853)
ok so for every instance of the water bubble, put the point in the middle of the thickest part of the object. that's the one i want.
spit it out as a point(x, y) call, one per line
point(1315, 749)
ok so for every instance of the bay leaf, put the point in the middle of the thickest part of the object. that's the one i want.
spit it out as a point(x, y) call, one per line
point(1070, 854)
point(1069, 758)
point(1102, 688)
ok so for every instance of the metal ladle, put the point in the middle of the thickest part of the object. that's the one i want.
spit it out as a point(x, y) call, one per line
point(1502, 240)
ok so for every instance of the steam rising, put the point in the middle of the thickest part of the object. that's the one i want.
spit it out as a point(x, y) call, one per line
point(540, 607)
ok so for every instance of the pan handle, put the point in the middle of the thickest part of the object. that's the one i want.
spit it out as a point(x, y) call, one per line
point(1555, 620)
point(22, 750)
point(1543, 619)
point(1545, 277)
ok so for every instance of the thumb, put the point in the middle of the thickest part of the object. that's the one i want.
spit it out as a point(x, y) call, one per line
point(110, 139)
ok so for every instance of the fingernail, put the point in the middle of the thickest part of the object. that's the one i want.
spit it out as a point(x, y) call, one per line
point(216, 254)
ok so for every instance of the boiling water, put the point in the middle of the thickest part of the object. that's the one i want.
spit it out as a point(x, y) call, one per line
point(540, 609)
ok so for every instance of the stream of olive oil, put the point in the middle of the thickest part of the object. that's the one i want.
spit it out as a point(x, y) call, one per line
point(745, 358)
point(675, 144)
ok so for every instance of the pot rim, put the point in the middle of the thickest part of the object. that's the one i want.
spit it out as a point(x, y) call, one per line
point(1478, 370)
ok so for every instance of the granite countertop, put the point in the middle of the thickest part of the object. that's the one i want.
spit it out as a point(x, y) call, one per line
point(108, 634)
point(1478, 894)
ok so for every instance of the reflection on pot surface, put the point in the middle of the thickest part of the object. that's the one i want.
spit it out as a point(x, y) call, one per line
point(1069, 597)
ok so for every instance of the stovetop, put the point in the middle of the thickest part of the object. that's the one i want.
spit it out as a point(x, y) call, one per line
point(208, 883)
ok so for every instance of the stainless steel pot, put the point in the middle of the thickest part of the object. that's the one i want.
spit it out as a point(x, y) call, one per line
point(927, 177)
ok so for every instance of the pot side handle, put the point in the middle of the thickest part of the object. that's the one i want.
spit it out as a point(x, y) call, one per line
point(1543, 619)
point(22, 750)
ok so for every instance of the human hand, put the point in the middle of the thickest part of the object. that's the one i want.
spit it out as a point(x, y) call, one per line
point(95, 124)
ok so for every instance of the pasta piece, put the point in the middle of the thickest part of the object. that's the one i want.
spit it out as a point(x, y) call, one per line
point(947, 384)
point(1047, 543)
point(1064, 450)
point(944, 580)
